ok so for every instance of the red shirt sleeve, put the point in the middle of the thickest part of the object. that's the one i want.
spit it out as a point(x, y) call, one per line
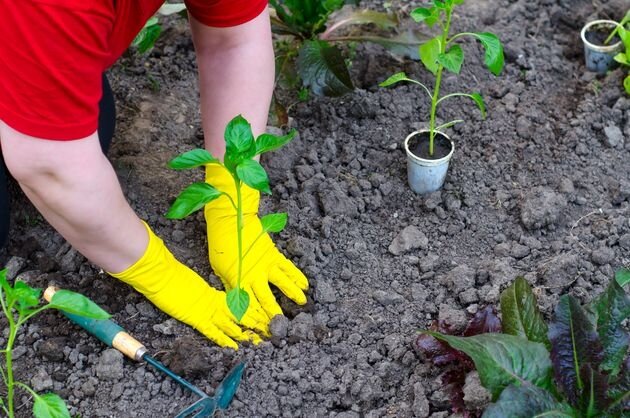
point(225, 13)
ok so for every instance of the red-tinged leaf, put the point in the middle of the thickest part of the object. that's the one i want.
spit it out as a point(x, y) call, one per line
point(484, 321)
point(594, 397)
point(453, 381)
point(574, 343)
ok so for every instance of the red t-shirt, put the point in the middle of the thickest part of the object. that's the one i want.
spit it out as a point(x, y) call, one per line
point(53, 53)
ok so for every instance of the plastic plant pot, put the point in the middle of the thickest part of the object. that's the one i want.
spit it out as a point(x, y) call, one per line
point(426, 174)
point(600, 58)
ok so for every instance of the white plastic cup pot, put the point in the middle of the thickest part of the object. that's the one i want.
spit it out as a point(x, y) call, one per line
point(426, 175)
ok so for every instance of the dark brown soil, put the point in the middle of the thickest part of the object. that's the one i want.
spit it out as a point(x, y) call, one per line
point(597, 35)
point(419, 146)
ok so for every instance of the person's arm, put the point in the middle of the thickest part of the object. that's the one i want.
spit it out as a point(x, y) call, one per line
point(236, 76)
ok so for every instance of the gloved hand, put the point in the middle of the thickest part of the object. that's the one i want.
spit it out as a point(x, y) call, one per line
point(184, 295)
point(263, 263)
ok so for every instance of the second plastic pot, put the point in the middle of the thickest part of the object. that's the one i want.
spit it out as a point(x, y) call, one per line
point(600, 58)
point(426, 174)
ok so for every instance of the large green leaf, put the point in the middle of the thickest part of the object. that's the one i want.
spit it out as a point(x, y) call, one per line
point(268, 142)
point(453, 59)
point(192, 159)
point(493, 59)
point(239, 140)
point(76, 303)
point(191, 199)
point(527, 401)
point(49, 405)
point(429, 52)
point(503, 360)
point(274, 222)
point(520, 313)
point(253, 174)
point(574, 343)
point(238, 302)
point(323, 69)
point(611, 308)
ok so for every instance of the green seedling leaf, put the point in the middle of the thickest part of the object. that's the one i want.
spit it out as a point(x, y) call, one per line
point(521, 316)
point(527, 401)
point(574, 343)
point(611, 308)
point(623, 276)
point(253, 174)
point(145, 40)
point(504, 360)
point(478, 99)
point(268, 142)
point(274, 222)
point(493, 59)
point(6, 287)
point(622, 58)
point(76, 303)
point(427, 15)
point(323, 69)
point(191, 199)
point(396, 78)
point(238, 302)
point(239, 140)
point(49, 405)
point(192, 159)
point(429, 53)
point(453, 59)
point(626, 84)
point(441, 4)
point(26, 296)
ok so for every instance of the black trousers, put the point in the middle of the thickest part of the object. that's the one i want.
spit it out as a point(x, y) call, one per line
point(106, 128)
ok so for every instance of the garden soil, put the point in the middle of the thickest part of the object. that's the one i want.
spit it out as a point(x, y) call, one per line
point(541, 188)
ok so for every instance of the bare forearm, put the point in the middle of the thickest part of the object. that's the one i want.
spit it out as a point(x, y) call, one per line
point(236, 76)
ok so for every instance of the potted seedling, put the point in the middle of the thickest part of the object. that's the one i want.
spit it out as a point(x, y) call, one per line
point(602, 42)
point(429, 151)
point(242, 149)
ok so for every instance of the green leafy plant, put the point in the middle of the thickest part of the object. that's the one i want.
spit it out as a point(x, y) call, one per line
point(443, 52)
point(624, 56)
point(20, 303)
point(576, 366)
point(152, 29)
point(241, 150)
point(308, 32)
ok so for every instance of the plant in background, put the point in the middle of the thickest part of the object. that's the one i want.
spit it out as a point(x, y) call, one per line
point(20, 303)
point(145, 39)
point(307, 32)
point(623, 57)
point(240, 153)
point(577, 366)
point(443, 52)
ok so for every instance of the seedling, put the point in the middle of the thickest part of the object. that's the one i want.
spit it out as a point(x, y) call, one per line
point(239, 161)
point(577, 366)
point(443, 52)
point(624, 56)
point(20, 303)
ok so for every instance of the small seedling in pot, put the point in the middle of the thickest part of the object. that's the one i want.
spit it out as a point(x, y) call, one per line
point(20, 303)
point(443, 52)
point(240, 153)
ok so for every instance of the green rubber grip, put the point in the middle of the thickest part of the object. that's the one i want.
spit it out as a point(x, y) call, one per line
point(103, 329)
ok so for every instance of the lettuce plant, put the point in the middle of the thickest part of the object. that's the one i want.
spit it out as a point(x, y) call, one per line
point(239, 161)
point(443, 52)
point(20, 303)
point(577, 366)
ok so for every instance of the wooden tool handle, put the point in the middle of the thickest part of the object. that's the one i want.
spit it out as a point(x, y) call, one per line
point(105, 330)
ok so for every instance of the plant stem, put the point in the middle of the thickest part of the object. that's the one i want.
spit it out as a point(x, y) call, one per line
point(438, 81)
point(8, 355)
point(239, 230)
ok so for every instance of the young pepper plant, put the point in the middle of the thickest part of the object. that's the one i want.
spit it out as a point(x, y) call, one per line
point(623, 57)
point(20, 303)
point(443, 52)
point(240, 153)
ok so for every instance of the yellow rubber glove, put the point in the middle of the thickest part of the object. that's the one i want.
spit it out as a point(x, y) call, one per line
point(263, 263)
point(184, 295)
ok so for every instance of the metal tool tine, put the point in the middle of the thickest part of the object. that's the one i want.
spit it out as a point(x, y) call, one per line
point(227, 388)
point(203, 408)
